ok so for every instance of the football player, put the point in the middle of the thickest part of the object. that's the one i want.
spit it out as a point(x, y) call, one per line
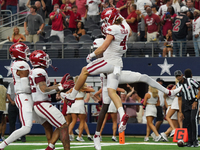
point(41, 92)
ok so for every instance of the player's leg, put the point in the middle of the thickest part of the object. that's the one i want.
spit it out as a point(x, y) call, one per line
point(48, 130)
point(112, 84)
point(132, 77)
point(94, 68)
point(103, 125)
point(64, 136)
point(25, 110)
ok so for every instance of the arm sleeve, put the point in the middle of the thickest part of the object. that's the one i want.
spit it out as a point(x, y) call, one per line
point(22, 66)
point(111, 30)
point(194, 83)
point(40, 19)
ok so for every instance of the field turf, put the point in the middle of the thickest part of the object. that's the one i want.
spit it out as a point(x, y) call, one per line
point(38, 142)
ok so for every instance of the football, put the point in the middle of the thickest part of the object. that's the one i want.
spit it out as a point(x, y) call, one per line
point(180, 143)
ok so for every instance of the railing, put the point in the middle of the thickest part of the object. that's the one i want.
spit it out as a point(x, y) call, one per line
point(81, 50)
point(89, 108)
point(9, 20)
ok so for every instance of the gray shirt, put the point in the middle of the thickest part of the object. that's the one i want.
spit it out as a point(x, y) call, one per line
point(41, 12)
point(34, 22)
point(11, 91)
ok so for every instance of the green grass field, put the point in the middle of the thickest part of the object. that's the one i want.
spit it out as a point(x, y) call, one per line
point(132, 143)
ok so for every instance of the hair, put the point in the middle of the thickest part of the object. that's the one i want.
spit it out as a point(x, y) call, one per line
point(191, 14)
point(154, 91)
point(168, 1)
point(82, 25)
point(63, 1)
point(83, 87)
point(188, 73)
point(154, 6)
point(14, 29)
point(34, 7)
point(135, 92)
point(118, 20)
point(74, 6)
point(134, 6)
point(173, 11)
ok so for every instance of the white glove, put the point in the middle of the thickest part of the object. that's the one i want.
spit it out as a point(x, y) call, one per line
point(89, 57)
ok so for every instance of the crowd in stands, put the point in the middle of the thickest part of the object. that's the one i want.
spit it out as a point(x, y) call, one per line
point(149, 20)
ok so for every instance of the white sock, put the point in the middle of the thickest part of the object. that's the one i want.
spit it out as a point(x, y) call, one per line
point(74, 93)
point(3, 144)
point(51, 145)
point(121, 112)
point(97, 133)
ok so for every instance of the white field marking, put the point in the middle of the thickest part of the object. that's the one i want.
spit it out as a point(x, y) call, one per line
point(107, 144)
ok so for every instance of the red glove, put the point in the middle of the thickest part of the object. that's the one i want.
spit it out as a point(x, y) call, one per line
point(68, 84)
point(65, 78)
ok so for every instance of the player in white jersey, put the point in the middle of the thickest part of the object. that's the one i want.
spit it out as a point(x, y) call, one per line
point(20, 71)
point(41, 92)
point(125, 77)
point(111, 62)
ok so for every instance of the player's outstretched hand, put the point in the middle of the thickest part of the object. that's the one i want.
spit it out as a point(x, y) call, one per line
point(65, 78)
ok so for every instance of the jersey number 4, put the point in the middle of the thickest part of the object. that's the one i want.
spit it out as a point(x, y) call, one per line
point(123, 43)
point(176, 28)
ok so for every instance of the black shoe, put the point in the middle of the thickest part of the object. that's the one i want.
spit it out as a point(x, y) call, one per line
point(23, 139)
point(196, 144)
point(189, 145)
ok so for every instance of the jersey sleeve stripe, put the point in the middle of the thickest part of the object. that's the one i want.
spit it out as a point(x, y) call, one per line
point(40, 79)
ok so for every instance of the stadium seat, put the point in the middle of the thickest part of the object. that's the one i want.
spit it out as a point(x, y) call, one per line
point(39, 45)
point(87, 44)
point(4, 53)
point(85, 38)
point(47, 34)
point(67, 32)
point(69, 52)
point(148, 48)
point(88, 23)
point(138, 47)
point(53, 53)
point(74, 44)
point(47, 28)
point(83, 52)
point(53, 38)
point(56, 45)
point(95, 33)
point(190, 48)
point(7, 45)
point(92, 27)
point(29, 44)
point(69, 38)
point(41, 38)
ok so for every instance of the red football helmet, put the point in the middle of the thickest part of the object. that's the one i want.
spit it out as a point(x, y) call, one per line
point(39, 58)
point(109, 15)
point(19, 50)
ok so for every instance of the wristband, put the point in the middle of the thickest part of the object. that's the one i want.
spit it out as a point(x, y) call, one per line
point(60, 87)
point(92, 55)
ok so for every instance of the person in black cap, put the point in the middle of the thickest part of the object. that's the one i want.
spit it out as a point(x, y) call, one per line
point(191, 108)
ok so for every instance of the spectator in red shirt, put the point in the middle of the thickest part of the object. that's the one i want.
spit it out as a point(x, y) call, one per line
point(132, 20)
point(167, 20)
point(152, 25)
point(57, 22)
point(66, 3)
point(122, 7)
point(3, 4)
point(81, 8)
point(74, 18)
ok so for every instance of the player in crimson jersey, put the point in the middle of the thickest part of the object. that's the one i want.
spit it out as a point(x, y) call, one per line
point(41, 92)
point(23, 100)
